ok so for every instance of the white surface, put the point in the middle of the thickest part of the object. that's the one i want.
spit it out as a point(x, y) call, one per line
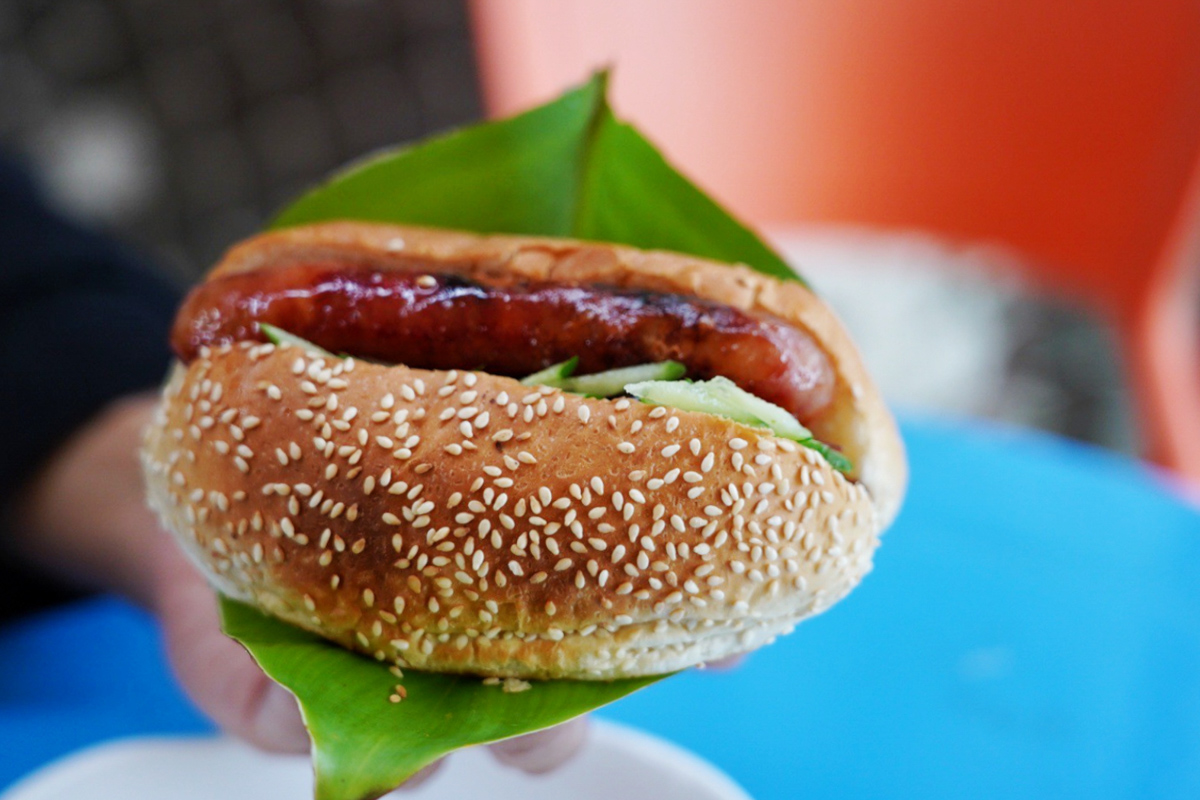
point(617, 762)
point(931, 319)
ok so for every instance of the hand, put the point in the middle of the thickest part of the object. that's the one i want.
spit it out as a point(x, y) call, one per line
point(85, 518)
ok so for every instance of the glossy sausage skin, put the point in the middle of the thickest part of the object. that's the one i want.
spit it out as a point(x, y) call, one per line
point(446, 322)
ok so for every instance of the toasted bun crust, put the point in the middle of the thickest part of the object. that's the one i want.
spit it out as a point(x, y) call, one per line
point(461, 522)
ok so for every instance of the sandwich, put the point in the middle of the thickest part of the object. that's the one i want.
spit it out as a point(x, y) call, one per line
point(519, 457)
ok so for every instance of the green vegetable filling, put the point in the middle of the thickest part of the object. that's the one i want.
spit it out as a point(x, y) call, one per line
point(657, 383)
point(280, 337)
point(552, 375)
point(609, 383)
point(724, 398)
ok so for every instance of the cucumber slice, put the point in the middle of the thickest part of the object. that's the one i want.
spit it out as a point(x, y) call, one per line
point(603, 384)
point(613, 382)
point(834, 457)
point(280, 337)
point(722, 397)
point(552, 375)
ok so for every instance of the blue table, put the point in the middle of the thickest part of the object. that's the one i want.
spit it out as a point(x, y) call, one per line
point(1032, 630)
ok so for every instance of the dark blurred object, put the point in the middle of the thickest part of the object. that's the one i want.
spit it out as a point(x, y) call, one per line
point(179, 126)
point(183, 124)
point(82, 323)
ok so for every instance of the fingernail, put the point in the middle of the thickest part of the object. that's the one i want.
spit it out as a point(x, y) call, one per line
point(422, 775)
point(729, 662)
point(278, 725)
point(543, 751)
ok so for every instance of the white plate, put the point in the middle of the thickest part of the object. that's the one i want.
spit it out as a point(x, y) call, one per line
point(617, 762)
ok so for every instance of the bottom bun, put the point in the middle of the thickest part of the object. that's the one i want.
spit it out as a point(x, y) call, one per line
point(462, 522)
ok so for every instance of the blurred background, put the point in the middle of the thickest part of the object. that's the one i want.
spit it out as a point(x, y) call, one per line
point(181, 125)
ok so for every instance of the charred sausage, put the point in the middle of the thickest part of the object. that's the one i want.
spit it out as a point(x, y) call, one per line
point(434, 321)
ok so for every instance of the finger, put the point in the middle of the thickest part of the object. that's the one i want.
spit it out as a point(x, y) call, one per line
point(543, 751)
point(419, 777)
point(216, 672)
point(730, 662)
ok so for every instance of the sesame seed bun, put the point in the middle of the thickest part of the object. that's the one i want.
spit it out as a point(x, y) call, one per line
point(462, 522)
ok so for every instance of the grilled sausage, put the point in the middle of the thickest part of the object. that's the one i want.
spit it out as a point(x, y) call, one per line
point(432, 321)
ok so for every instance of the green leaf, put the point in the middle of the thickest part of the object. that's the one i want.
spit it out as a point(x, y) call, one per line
point(568, 168)
point(633, 196)
point(364, 745)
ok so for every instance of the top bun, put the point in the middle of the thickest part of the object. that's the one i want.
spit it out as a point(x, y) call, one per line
point(462, 522)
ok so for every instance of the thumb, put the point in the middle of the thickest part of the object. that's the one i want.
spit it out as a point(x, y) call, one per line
point(216, 672)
